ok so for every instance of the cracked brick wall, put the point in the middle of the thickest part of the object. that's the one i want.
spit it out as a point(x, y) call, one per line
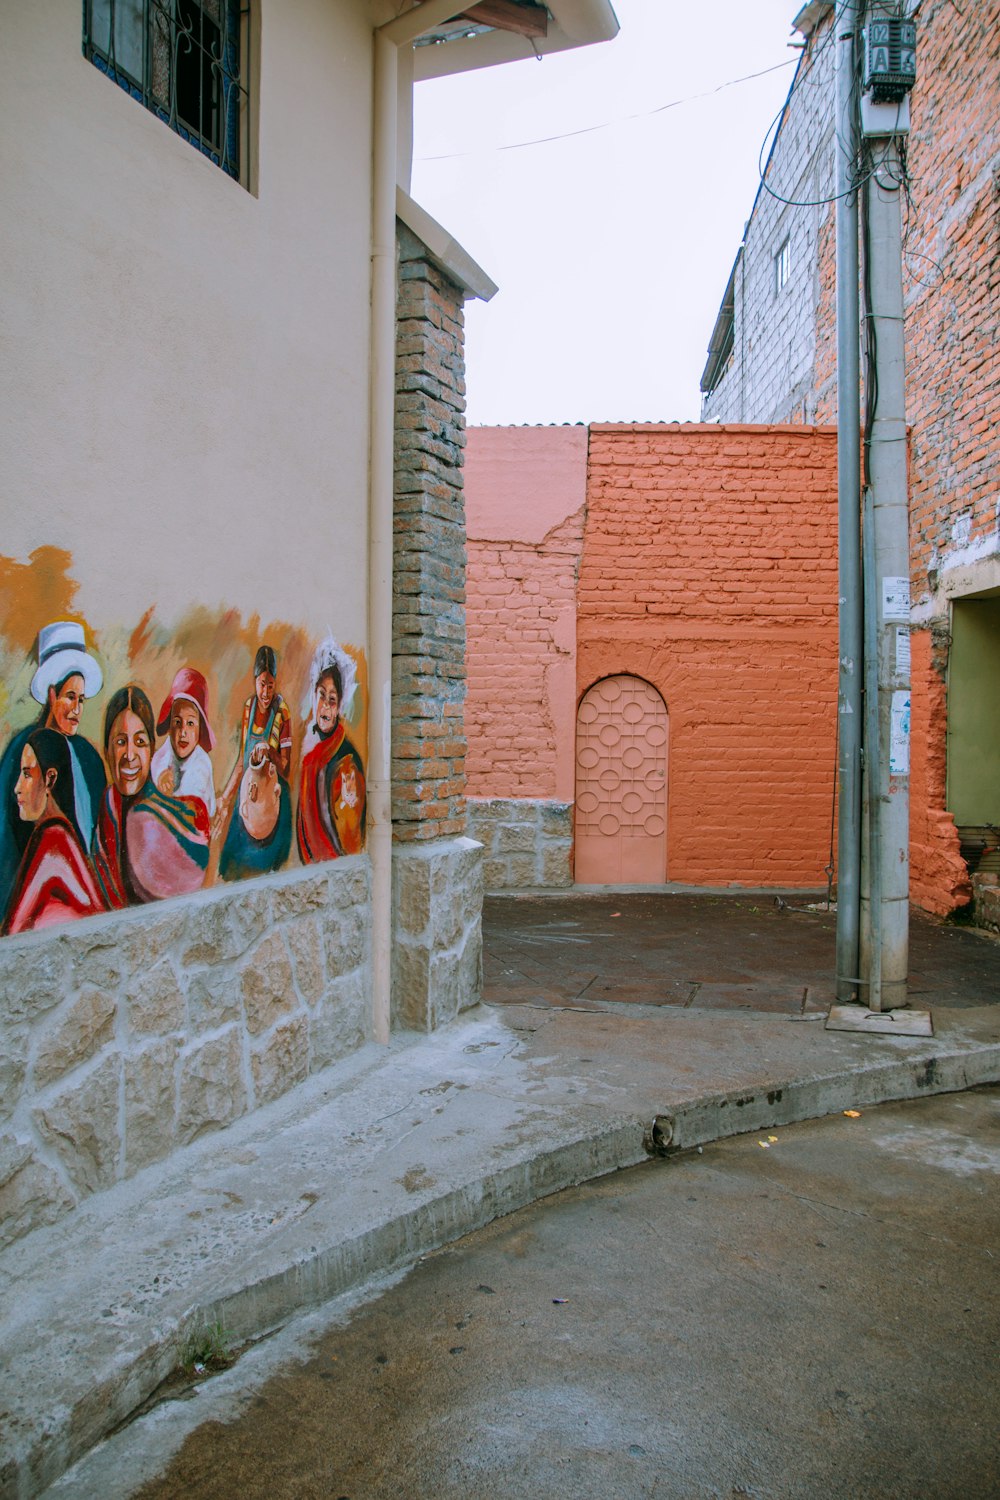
point(704, 561)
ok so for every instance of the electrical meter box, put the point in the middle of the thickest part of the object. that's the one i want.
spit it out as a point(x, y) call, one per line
point(890, 58)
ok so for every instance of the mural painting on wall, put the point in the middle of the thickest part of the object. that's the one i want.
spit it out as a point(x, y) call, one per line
point(106, 803)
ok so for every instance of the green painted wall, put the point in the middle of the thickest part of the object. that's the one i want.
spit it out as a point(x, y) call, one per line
point(974, 712)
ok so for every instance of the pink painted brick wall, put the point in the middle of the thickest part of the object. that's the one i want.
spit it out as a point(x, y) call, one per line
point(525, 493)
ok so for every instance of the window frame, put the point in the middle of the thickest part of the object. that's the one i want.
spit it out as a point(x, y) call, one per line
point(782, 265)
point(166, 27)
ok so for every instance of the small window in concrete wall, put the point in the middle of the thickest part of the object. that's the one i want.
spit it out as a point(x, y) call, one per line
point(620, 830)
point(144, 763)
point(187, 61)
point(974, 713)
point(782, 266)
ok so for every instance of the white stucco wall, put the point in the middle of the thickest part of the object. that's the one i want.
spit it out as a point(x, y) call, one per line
point(184, 384)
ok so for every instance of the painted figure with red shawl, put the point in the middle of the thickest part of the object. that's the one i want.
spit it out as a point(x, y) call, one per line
point(54, 881)
point(147, 844)
point(331, 816)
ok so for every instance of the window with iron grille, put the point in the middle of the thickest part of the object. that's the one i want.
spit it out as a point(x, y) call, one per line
point(186, 60)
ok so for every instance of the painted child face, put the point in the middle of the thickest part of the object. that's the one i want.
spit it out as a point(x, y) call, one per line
point(185, 727)
point(264, 683)
point(129, 753)
point(327, 705)
point(65, 704)
point(31, 789)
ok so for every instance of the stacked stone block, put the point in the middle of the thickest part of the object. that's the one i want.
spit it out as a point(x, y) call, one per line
point(437, 958)
point(527, 841)
point(428, 670)
point(129, 1035)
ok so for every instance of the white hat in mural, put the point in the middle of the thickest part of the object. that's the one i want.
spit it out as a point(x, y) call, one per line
point(329, 654)
point(62, 651)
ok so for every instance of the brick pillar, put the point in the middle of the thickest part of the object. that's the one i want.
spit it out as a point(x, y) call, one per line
point(437, 872)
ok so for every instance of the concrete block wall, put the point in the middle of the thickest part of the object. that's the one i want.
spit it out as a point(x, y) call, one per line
point(709, 569)
point(527, 841)
point(772, 376)
point(129, 1035)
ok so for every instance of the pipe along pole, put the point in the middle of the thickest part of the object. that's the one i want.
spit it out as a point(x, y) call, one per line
point(849, 703)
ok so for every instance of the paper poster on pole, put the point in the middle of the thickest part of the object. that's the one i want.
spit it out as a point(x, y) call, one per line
point(896, 600)
point(899, 733)
point(902, 651)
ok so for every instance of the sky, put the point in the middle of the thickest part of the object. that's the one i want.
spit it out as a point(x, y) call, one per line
point(611, 248)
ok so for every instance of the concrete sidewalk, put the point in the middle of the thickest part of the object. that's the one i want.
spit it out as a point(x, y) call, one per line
point(390, 1154)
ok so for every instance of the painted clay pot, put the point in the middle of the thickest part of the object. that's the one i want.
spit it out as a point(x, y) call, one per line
point(260, 798)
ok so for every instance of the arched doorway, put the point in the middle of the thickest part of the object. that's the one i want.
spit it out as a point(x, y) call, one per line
point(621, 784)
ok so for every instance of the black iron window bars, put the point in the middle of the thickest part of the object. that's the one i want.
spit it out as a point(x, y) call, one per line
point(186, 60)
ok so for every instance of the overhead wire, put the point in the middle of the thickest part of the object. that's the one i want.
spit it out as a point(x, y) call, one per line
point(645, 114)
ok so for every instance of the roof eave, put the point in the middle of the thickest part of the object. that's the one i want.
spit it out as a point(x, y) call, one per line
point(575, 23)
point(723, 325)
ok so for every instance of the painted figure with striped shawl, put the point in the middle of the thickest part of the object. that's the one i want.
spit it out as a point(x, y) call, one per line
point(147, 845)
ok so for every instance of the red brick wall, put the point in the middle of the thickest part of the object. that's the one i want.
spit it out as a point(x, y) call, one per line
point(952, 264)
point(939, 880)
point(709, 569)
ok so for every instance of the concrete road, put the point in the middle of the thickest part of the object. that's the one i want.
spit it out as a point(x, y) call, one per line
point(811, 1312)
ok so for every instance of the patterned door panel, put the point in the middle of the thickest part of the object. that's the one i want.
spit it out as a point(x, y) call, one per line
point(621, 784)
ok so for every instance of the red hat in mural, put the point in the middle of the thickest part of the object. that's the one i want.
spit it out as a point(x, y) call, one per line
point(190, 685)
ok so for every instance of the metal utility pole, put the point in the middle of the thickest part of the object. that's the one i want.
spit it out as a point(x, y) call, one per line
point(849, 700)
point(888, 762)
point(876, 633)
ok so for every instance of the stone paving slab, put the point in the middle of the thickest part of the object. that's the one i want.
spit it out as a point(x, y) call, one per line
point(389, 1155)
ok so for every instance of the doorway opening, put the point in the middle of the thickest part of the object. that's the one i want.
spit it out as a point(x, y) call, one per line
point(621, 784)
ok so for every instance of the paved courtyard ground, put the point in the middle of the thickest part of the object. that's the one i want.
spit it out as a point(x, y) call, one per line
point(725, 952)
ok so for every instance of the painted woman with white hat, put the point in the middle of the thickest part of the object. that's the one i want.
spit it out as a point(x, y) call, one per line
point(66, 676)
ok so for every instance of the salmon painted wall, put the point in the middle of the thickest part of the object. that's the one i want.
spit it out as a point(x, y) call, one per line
point(525, 494)
point(708, 568)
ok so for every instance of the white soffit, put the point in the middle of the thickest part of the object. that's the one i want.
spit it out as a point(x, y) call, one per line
point(572, 23)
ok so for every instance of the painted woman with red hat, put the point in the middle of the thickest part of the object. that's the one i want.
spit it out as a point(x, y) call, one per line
point(181, 766)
